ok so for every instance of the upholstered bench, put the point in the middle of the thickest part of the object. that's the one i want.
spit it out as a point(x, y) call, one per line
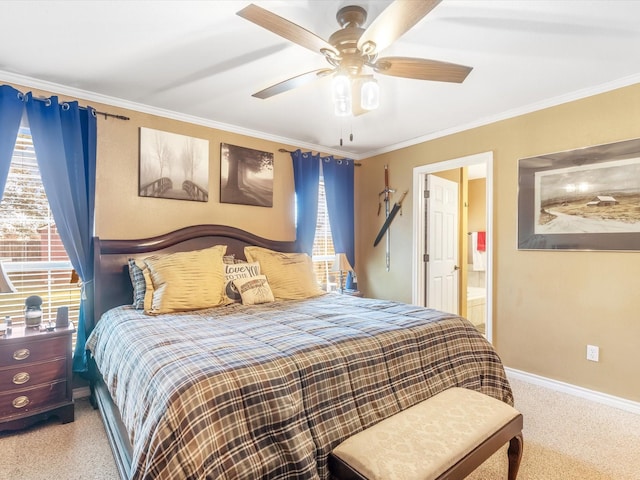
point(444, 437)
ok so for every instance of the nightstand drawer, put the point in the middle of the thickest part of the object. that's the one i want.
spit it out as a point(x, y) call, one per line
point(29, 375)
point(33, 351)
point(35, 377)
point(30, 399)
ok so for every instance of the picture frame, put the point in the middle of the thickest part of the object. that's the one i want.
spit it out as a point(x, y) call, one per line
point(173, 166)
point(583, 199)
point(246, 176)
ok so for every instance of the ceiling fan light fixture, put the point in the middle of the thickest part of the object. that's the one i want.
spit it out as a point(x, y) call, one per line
point(342, 108)
point(341, 89)
point(370, 94)
point(353, 47)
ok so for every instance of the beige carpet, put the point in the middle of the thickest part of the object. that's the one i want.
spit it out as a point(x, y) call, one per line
point(52, 451)
point(569, 438)
point(566, 438)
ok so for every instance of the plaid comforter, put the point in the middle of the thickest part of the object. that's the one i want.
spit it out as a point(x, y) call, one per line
point(267, 391)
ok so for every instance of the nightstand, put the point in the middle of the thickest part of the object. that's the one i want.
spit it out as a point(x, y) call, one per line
point(35, 376)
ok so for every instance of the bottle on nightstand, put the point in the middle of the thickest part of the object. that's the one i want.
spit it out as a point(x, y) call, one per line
point(62, 317)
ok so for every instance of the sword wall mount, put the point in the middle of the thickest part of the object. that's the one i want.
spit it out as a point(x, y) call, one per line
point(385, 195)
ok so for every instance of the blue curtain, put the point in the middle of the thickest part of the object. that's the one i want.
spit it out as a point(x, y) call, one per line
point(11, 108)
point(306, 176)
point(338, 187)
point(64, 138)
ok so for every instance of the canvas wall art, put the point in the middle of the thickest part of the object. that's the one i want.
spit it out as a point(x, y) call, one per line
point(246, 176)
point(584, 199)
point(173, 166)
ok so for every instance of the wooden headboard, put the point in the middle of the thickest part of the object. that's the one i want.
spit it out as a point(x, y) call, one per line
point(112, 285)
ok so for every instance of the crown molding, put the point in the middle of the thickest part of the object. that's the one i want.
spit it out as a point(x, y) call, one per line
point(516, 112)
point(86, 95)
point(143, 108)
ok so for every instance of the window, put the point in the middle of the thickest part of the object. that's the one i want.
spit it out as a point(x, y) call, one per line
point(323, 251)
point(30, 248)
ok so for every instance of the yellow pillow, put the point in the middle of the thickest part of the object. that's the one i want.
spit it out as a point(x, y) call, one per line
point(187, 280)
point(290, 275)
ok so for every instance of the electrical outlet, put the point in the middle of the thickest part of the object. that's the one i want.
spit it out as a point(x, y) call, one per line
point(593, 353)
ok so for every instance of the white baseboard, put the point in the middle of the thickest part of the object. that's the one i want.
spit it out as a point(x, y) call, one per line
point(594, 396)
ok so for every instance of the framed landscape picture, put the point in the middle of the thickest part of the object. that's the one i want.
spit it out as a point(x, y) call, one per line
point(246, 176)
point(173, 166)
point(585, 199)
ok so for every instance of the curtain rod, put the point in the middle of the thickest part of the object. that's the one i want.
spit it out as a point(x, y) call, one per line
point(112, 115)
point(284, 150)
point(106, 114)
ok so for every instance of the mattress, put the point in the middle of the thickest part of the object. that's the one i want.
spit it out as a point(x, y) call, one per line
point(267, 391)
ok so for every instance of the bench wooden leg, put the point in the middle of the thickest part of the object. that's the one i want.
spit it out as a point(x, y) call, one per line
point(515, 455)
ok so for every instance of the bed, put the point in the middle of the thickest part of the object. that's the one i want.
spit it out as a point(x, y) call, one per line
point(244, 391)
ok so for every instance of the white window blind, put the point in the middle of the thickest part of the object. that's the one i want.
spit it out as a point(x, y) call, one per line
point(31, 251)
point(323, 251)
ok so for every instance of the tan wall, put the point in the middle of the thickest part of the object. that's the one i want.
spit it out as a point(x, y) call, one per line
point(477, 210)
point(548, 305)
point(121, 213)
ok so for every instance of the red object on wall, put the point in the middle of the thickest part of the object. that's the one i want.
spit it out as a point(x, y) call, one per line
point(482, 241)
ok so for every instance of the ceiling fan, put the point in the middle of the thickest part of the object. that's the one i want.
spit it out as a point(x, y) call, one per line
point(352, 48)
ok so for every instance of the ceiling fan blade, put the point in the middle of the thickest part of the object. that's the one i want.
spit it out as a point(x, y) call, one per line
point(422, 69)
point(285, 28)
point(392, 23)
point(292, 83)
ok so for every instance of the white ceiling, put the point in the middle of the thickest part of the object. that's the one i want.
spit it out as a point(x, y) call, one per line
point(200, 62)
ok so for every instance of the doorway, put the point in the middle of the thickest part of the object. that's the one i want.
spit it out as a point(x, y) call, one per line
point(482, 162)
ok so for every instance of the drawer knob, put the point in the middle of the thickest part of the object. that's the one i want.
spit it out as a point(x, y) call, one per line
point(20, 378)
point(21, 354)
point(21, 401)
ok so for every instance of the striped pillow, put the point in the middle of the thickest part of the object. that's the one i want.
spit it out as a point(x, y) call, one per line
point(290, 275)
point(138, 283)
point(229, 259)
point(187, 280)
point(142, 285)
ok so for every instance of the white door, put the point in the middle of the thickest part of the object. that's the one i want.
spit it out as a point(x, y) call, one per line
point(441, 197)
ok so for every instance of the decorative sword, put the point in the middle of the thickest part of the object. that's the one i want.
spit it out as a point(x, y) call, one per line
point(390, 217)
point(387, 200)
